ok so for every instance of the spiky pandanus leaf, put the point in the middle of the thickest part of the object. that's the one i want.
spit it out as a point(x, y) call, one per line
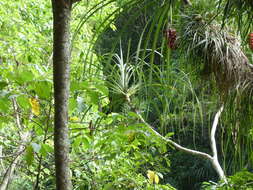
point(242, 11)
point(216, 52)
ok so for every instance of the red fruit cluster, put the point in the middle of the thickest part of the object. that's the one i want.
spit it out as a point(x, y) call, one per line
point(251, 41)
point(171, 35)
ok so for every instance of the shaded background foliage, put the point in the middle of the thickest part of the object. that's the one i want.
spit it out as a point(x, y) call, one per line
point(110, 148)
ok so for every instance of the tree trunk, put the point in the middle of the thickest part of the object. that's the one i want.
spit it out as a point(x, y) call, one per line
point(61, 64)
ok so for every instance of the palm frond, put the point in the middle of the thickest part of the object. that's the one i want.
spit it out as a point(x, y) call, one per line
point(216, 51)
point(241, 11)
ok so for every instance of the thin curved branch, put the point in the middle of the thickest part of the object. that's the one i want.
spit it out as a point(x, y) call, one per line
point(12, 155)
point(9, 172)
point(213, 131)
point(24, 139)
point(177, 146)
point(213, 159)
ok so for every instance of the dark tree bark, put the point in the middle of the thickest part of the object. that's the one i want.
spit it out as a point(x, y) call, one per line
point(61, 64)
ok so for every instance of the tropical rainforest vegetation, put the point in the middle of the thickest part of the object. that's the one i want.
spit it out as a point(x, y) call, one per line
point(126, 94)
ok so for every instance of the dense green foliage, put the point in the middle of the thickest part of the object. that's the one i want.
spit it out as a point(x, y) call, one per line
point(120, 64)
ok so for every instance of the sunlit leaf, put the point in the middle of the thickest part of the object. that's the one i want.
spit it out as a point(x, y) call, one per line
point(113, 27)
point(156, 179)
point(23, 102)
point(92, 97)
point(46, 148)
point(153, 177)
point(43, 89)
point(21, 76)
point(72, 104)
point(103, 89)
point(35, 106)
point(130, 135)
point(132, 114)
point(4, 104)
point(74, 118)
point(169, 134)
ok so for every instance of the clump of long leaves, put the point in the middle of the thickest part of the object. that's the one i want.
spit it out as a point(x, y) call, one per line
point(217, 52)
point(218, 55)
point(203, 40)
point(242, 11)
point(122, 78)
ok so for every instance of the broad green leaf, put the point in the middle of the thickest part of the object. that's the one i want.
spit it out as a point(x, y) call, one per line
point(169, 134)
point(109, 186)
point(45, 149)
point(75, 85)
point(92, 97)
point(130, 135)
point(103, 89)
point(72, 104)
point(77, 142)
point(23, 102)
point(4, 119)
point(3, 84)
point(132, 114)
point(5, 104)
point(86, 142)
point(24, 76)
point(29, 155)
point(83, 141)
point(20, 76)
point(43, 89)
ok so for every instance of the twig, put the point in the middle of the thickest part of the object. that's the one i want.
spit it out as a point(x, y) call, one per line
point(12, 155)
point(24, 139)
point(9, 172)
point(37, 182)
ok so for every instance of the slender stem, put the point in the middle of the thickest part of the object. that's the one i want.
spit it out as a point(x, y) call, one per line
point(37, 182)
point(10, 170)
point(24, 139)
